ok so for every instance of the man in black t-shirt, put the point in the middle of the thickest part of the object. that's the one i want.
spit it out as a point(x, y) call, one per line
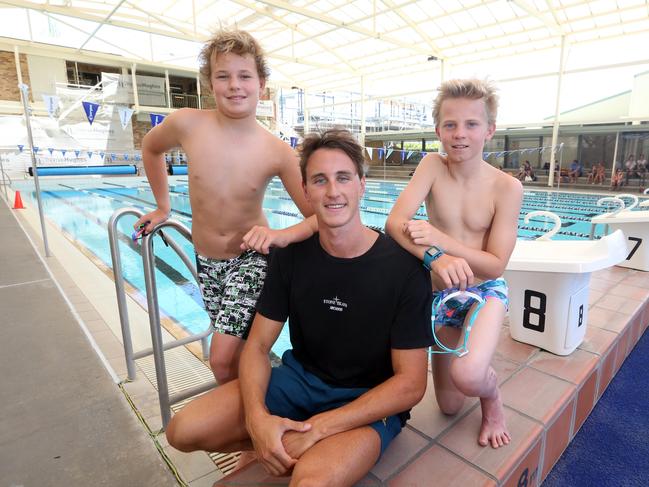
point(359, 311)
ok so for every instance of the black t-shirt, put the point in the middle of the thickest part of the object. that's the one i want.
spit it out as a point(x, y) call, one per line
point(345, 315)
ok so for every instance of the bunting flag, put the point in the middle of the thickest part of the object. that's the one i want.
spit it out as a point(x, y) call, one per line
point(77, 152)
point(36, 150)
point(403, 155)
point(20, 147)
point(369, 151)
point(156, 119)
point(423, 154)
point(49, 148)
point(137, 157)
point(91, 110)
point(102, 154)
point(126, 157)
point(409, 154)
point(113, 157)
point(63, 151)
point(381, 151)
point(51, 104)
point(389, 153)
point(89, 154)
point(125, 114)
point(294, 142)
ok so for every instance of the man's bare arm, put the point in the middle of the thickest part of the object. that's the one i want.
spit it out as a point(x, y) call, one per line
point(265, 429)
point(397, 394)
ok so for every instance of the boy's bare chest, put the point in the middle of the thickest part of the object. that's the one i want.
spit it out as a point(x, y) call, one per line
point(460, 211)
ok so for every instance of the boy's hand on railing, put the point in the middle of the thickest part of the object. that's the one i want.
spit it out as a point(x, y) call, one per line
point(148, 222)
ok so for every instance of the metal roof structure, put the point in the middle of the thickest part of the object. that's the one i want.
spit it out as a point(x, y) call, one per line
point(332, 44)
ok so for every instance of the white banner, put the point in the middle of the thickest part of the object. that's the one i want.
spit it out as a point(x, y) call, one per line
point(119, 89)
point(51, 104)
point(125, 114)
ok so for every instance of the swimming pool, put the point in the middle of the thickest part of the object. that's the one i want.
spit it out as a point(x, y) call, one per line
point(82, 208)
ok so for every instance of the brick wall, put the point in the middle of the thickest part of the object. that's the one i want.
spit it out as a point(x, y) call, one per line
point(9, 79)
point(139, 131)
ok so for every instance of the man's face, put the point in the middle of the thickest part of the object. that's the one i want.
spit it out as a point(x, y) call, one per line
point(463, 128)
point(333, 188)
point(235, 84)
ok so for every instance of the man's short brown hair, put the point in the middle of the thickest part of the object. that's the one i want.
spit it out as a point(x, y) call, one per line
point(332, 139)
point(237, 42)
point(473, 89)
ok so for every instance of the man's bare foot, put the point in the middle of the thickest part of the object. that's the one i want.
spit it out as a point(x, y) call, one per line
point(245, 458)
point(493, 429)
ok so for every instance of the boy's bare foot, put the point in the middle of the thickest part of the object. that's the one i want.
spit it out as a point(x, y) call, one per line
point(493, 429)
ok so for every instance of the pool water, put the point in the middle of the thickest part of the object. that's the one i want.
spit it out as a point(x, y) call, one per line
point(82, 208)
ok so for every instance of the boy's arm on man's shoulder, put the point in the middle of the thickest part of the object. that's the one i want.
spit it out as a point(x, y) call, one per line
point(399, 393)
point(409, 202)
point(261, 238)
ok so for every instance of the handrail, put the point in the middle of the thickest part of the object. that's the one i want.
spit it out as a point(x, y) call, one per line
point(158, 347)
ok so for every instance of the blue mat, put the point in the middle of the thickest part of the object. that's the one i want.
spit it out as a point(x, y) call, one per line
point(612, 447)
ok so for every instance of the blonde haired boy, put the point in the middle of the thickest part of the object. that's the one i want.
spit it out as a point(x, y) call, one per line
point(231, 159)
point(472, 210)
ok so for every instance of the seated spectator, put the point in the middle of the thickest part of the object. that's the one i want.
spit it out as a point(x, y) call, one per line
point(521, 174)
point(529, 173)
point(575, 171)
point(546, 166)
point(630, 168)
point(619, 178)
point(592, 174)
point(600, 173)
point(641, 166)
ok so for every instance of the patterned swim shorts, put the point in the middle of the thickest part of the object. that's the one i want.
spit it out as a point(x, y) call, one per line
point(454, 311)
point(230, 289)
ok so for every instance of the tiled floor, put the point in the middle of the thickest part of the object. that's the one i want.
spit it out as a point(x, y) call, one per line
point(547, 398)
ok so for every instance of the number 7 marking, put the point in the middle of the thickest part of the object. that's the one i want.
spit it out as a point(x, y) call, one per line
point(638, 242)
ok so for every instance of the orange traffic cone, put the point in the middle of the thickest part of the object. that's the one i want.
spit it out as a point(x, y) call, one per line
point(18, 202)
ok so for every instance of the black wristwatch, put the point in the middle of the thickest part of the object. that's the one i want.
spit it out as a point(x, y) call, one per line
point(431, 255)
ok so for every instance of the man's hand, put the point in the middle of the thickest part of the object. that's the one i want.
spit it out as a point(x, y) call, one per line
point(150, 220)
point(296, 443)
point(421, 232)
point(260, 239)
point(452, 272)
point(266, 434)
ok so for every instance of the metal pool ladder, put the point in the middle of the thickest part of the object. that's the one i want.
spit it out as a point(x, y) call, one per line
point(148, 260)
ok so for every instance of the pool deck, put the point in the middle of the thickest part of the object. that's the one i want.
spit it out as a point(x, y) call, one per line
point(64, 419)
point(70, 400)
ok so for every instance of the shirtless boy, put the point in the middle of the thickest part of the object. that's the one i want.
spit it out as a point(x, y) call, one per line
point(231, 161)
point(470, 234)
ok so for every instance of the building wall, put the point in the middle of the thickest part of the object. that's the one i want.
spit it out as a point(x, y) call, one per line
point(44, 73)
point(140, 129)
point(9, 78)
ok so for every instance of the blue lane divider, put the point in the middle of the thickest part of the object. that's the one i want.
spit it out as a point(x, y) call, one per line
point(84, 170)
point(177, 170)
